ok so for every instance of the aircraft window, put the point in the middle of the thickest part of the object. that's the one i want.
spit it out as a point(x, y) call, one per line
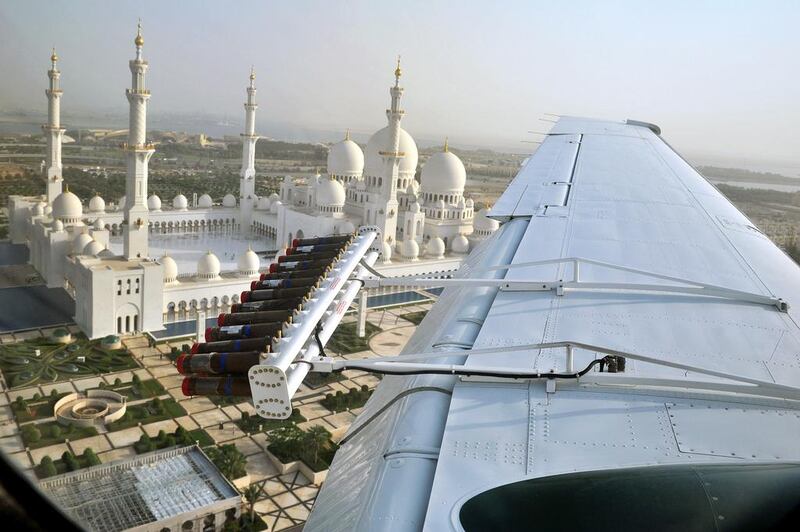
point(681, 498)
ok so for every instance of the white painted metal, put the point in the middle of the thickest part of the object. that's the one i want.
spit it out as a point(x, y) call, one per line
point(635, 212)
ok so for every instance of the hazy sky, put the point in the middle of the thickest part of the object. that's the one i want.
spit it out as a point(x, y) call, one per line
point(720, 77)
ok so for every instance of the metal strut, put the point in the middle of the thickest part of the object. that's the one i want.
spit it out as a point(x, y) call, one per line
point(561, 286)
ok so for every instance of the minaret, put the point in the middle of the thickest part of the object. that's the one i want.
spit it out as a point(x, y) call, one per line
point(138, 154)
point(53, 132)
point(387, 220)
point(247, 182)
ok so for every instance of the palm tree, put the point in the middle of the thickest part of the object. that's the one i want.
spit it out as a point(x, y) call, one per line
point(317, 437)
point(251, 494)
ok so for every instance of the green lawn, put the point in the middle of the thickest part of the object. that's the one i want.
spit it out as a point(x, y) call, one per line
point(143, 390)
point(414, 317)
point(56, 362)
point(62, 467)
point(51, 433)
point(147, 413)
point(34, 409)
point(345, 340)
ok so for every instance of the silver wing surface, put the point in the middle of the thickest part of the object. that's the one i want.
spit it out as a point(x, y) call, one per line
point(638, 256)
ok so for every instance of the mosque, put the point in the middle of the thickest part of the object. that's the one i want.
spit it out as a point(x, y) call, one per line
point(101, 254)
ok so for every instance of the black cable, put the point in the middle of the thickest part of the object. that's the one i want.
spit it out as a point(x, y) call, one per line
point(317, 330)
point(467, 373)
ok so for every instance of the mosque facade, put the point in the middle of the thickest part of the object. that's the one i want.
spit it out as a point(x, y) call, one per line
point(426, 227)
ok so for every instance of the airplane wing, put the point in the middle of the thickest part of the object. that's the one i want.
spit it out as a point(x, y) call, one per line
point(613, 248)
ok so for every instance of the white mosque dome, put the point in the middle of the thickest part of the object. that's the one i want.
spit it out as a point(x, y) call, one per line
point(482, 221)
point(93, 248)
point(97, 204)
point(263, 203)
point(415, 207)
point(106, 253)
point(38, 209)
point(208, 266)
point(67, 208)
point(180, 202)
point(435, 248)
point(121, 203)
point(470, 203)
point(80, 242)
point(380, 142)
point(409, 249)
point(248, 263)
point(347, 228)
point(273, 198)
point(204, 201)
point(444, 173)
point(99, 224)
point(345, 158)
point(170, 268)
point(58, 226)
point(229, 200)
point(386, 252)
point(274, 207)
point(330, 193)
point(460, 244)
point(154, 203)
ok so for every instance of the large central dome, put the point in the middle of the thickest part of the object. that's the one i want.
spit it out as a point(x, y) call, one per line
point(380, 142)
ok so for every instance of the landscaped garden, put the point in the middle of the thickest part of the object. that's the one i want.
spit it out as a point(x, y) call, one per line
point(229, 460)
point(181, 437)
point(22, 366)
point(253, 424)
point(340, 401)
point(68, 462)
point(135, 389)
point(313, 447)
point(155, 410)
point(316, 380)
point(344, 339)
point(37, 407)
point(36, 435)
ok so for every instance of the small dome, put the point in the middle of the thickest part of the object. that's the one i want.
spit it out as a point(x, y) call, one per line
point(106, 253)
point(413, 187)
point(414, 207)
point(67, 208)
point(380, 142)
point(80, 242)
point(99, 224)
point(97, 204)
point(121, 203)
point(386, 252)
point(170, 269)
point(154, 203)
point(274, 207)
point(38, 209)
point(345, 158)
point(460, 244)
point(48, 209)
point(273, 198)
point(248, 263)
point(263, 203)
point(58, 226)
point(180, 202)
point(330, 193)
point(204, 201)
point(93, 248)
point(470, 203)
point(444, 173)
point(482, 222)
point(435, 248)
point(409, 249)
point(462, 204)
point(208, 266)
point(347, 228)
point(229, 200)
